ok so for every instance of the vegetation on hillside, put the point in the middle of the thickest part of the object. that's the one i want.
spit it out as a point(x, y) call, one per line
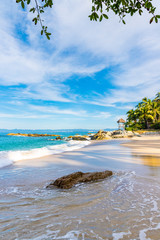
point(146, 115)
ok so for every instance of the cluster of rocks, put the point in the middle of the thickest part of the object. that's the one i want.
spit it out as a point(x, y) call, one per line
point(106, 135)
point(100, 135)
point(71, 180)
point(122, 134)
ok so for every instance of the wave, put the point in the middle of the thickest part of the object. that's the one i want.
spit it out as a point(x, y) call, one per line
point(9, 157)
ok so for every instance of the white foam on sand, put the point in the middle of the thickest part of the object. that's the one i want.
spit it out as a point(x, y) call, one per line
point(118, 236)
point(142, 233)
point(9, 157)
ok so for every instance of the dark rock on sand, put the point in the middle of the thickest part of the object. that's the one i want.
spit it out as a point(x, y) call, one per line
point(70, 180)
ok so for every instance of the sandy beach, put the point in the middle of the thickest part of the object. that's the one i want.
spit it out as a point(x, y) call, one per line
point(144, 150)
point(146, 145)
point(147, 148)
point(122, 207)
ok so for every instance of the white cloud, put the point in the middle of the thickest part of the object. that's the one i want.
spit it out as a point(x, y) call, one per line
point(55, 110)
point(102, 115)
point(22, 116)
point(134, 46)
point(78, 47)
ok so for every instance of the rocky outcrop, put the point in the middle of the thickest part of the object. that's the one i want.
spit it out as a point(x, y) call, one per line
point(122, 134)
point(32, 135)
point(71, 180)
point(101, 135)
point(80, 138)
point(58, 138)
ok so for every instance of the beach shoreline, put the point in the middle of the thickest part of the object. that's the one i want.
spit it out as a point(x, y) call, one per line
point(140, 146)
point(96, 210)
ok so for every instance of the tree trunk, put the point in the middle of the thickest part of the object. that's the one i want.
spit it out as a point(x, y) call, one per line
point(146, 123)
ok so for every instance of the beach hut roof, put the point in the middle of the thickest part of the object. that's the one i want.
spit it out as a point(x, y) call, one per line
point(121, 121)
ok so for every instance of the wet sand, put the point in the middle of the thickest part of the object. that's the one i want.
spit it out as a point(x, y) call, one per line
point(125, 206)
point(147, 148)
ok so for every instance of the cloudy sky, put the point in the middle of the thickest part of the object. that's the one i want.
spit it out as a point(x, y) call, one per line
point(87, 76)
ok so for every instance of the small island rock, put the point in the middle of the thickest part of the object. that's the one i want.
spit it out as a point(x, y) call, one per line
point(32, 135)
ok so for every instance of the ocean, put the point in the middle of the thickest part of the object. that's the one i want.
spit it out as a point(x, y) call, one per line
point(15, 148)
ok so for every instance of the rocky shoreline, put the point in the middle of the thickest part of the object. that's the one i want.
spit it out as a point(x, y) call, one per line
point(33, 135)
point(105, 135)
point(100, 135)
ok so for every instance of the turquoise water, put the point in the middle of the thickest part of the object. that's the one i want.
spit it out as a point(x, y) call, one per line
point(15, 148)
point(13, 143)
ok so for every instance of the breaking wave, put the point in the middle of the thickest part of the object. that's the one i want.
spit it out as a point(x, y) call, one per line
point(9, 157)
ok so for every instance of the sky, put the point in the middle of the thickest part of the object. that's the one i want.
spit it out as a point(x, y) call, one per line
point(87, 76)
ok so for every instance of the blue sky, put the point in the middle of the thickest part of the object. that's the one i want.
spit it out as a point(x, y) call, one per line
point(87, 76)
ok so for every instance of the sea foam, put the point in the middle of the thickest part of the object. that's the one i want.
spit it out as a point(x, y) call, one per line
point(9, 157)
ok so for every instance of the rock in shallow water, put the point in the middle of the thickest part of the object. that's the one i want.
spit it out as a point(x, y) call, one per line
point(70, 180)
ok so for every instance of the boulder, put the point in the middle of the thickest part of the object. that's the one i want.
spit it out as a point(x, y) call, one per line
point(118, 132)
point(58, 138)
point(122, 134)
point(71, 180)
point(80, 138)
point(101, 135)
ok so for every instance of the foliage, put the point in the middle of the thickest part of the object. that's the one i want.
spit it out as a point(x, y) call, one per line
point(122, 8)
point(38, 10)
point(145, 115)
point(99, 10)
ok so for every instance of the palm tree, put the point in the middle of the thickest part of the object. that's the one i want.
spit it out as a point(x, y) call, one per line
point(157, 98)
point(131, 116)
point(155, 111)
point(145, 111)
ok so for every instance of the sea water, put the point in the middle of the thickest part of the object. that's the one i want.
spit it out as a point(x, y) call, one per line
point(15, 148)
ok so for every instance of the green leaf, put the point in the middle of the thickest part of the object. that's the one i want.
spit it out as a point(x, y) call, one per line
point(41, 32)
point(32, 10)
point(22, 4)
point(156, 19)
point(93, 8)
point(101, 17)
point(151, 20)
point(123, 2)
point(47, 35)
point(28, 1)
point(105, 16)
point(140, 12)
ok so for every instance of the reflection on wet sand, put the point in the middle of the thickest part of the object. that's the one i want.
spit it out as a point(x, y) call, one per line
point(145, 150)
point(148, 160)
